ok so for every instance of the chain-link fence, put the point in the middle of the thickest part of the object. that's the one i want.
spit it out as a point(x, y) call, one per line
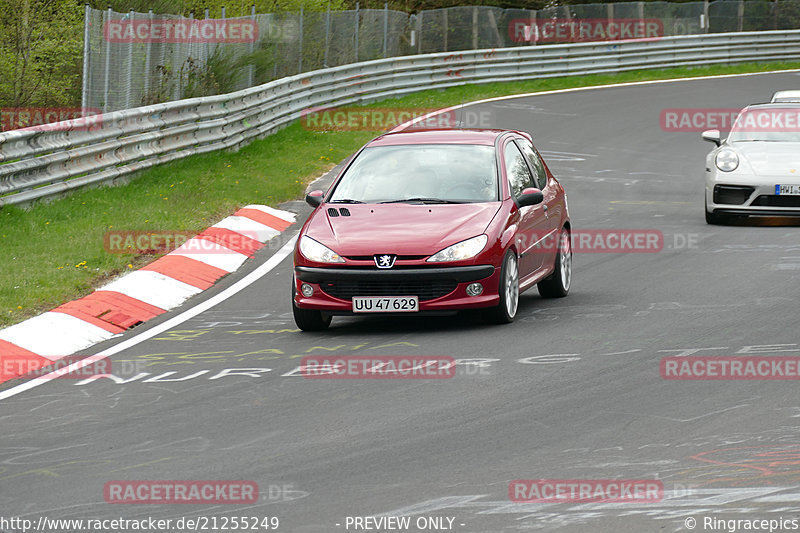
point(133, 59)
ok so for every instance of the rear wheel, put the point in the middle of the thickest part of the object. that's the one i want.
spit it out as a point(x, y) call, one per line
point(508, 289)
point(557, 284)
point(309, 319)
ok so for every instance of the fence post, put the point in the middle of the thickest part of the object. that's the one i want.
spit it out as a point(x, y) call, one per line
point(327, 34)
point(147, 53)
point(474, 28)
point(706, 21)
point(445, 29)
point(131, 16)
point(86, 50)
point(568, 17)
point(419, 31)
point(252, 68)
point(775, 8)
point(108, 63)
point(385, 27)
point(300, 58)
point(356, 35)
point(206, 45)
point(740, 24)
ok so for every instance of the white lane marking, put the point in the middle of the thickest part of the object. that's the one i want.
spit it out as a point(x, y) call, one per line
point(53, 335)
point(247, 227)
point(153, 288)
point(243, 283)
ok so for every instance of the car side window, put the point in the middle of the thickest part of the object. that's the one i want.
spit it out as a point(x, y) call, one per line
point(519, 176)
point(539, 173)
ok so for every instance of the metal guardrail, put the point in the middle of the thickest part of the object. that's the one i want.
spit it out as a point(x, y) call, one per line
point(36, 164)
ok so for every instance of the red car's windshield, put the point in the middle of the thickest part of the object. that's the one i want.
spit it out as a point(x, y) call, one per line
point(430, 172)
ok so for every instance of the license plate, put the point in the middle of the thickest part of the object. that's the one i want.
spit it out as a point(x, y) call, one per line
point(385, 304)
point(790, 190)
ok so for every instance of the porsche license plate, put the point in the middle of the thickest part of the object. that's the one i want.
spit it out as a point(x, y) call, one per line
point(788, 190)
point(385, 304)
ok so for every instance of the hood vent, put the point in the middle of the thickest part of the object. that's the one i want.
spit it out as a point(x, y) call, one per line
point(345, 212)
point(332, 212)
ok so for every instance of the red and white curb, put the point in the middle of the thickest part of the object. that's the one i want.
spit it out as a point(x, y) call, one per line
point(139, 296)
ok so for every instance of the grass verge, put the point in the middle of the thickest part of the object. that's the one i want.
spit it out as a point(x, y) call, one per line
point(54, 252)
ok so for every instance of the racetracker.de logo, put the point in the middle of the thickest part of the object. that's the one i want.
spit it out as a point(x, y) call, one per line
point(50, 118)
point(174, 492)
point(773, 119)
point(585, 490)
point(181, 31)
point(597, 241)
point(584, 30)
point(378, 367)
point(70, 367)
point(696, 119)
point(730, 368)
point(211, 241)
point(386, 118)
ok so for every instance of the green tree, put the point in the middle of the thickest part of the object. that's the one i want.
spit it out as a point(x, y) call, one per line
point(40, 53)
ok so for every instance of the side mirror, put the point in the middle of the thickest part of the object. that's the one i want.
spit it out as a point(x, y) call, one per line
point(712, 136)
point(314, 198)
point(530, 196)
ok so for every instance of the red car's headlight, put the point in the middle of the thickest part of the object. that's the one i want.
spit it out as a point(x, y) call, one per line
point(461, 250)
point(317, 252)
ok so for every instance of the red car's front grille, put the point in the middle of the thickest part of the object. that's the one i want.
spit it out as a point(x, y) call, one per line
point(425, 290)
point(399, 257)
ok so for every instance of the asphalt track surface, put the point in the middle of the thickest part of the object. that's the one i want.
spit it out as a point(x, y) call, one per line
point(325, 450)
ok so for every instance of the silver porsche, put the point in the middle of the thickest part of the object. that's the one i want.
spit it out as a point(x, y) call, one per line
point(756, 170)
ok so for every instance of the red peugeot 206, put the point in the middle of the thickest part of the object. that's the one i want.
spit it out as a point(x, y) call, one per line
point(434, 221)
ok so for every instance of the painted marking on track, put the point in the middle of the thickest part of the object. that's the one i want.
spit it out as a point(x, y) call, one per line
point(287, 248)
point(182, 335)
point(243, 283)
point(677, 502)
point(648, 202)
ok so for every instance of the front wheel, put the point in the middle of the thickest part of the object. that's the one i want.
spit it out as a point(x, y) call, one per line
point(557, 284)
point(508, 289)
point(309, 319)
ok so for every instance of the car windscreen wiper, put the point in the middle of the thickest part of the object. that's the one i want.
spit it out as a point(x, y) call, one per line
point(345, 201)
point(423, 200)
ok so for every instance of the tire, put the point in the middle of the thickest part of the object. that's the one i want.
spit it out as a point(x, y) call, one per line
point(508, 288)
point(557, 284)
point(717, 220)
point(309, 319)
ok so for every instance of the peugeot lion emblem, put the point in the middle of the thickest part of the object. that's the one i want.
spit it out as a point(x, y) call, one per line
point(385, 260)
